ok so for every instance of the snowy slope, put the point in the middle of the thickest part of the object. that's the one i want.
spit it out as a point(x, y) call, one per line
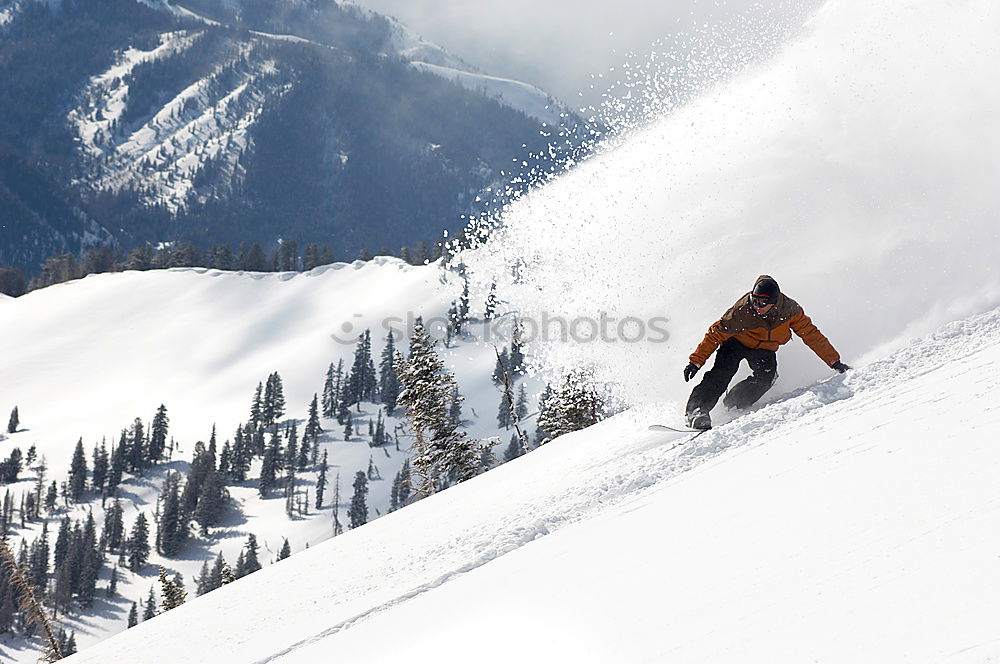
point(94, 354)
point(519, 95)
point(853, 521)
point(857, 166)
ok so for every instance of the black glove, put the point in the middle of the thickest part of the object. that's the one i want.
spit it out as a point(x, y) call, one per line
point(690, 370)
point(839, 366)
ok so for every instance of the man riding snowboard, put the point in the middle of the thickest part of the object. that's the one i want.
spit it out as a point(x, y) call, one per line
point(751, 330)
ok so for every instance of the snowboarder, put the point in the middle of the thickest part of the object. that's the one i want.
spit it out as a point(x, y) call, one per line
point(751, 330)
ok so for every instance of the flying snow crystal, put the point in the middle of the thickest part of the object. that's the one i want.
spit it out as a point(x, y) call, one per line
point(855, 161)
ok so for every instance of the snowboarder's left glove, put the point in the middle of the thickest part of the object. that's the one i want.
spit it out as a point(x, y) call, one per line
point(839, 366)
point(690, 370)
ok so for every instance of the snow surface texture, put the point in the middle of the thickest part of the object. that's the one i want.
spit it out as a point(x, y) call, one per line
point(852, 521)
point(858, 166)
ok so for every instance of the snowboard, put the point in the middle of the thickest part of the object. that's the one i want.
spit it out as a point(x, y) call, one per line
point(663, 427)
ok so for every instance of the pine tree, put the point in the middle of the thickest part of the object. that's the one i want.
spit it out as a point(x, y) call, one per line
point(502, 368)
point(274, 400)
point(349, 427)
point(90, 563)
point(101, 468)
point(38, 566)
point(137, 454)
point(329, 395)
point(358, 512)
point(362, 384)
point(173, 522)
point(114, 526)
point(388, 377)
point(158, 434)
point(380, 437)
point(575, 406)
point(521, 407)
point(138, 544)
point(504, 413)
point(226, 460)
point(455, 406)
point(291, 459)
point(257, 408)
point(113, 582)
point(427, 391)
point(242, 454)
point(173, 594)
point(344, 403)
point(118, 462)
point(78, 472)
point(133, 615)
point(513, 450)
point(251, 563)
point(333, 389)
point(219, 574)
point(270, 467)
point(211, 500)
point(548, 394)
point(150, 608)
point(286, 550)
point(202, 580)
point(14, 422)
point(338, 528)
point(310, 438)
point(321, 482)
point(51, 496)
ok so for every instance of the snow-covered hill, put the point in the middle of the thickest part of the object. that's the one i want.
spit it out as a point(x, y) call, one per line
point(854, 520)
point(92, 355)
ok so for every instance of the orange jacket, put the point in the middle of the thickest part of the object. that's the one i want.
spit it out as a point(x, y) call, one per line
point(768, 331)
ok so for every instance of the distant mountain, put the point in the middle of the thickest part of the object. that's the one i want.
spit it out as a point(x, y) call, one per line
point(229, 121)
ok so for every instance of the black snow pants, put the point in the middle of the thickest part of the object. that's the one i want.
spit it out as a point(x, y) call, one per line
point(744, 394)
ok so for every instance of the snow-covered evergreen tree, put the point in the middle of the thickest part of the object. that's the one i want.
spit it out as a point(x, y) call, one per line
point(321, 481)
point(78, 472)
point(158, 434)
point(358, 513)
point(440, 448)
point(575, 406)
point(501, 371)
point(138, 544)
point(505, 411)
point(173, 594)
point(133, 615)
point(521, 406)
point(388, 385)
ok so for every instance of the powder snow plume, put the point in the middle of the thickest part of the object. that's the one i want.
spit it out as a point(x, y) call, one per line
point(857, 164)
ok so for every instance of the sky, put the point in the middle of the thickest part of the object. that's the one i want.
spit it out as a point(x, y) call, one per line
point(558, 46)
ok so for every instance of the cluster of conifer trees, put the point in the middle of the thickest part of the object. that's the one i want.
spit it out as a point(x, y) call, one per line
point(251, 257)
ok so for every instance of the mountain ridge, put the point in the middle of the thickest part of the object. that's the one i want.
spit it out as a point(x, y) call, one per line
point(159, 123)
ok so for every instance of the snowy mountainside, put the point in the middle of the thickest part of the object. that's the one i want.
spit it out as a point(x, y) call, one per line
point(96, 353)
point(219, 123)
point(789, 533)
point(860, 178)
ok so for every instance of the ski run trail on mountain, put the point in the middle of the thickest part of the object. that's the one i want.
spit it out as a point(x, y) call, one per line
point(854, 520)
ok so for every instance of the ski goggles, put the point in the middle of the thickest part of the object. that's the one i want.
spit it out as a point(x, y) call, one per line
point(760, 301)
